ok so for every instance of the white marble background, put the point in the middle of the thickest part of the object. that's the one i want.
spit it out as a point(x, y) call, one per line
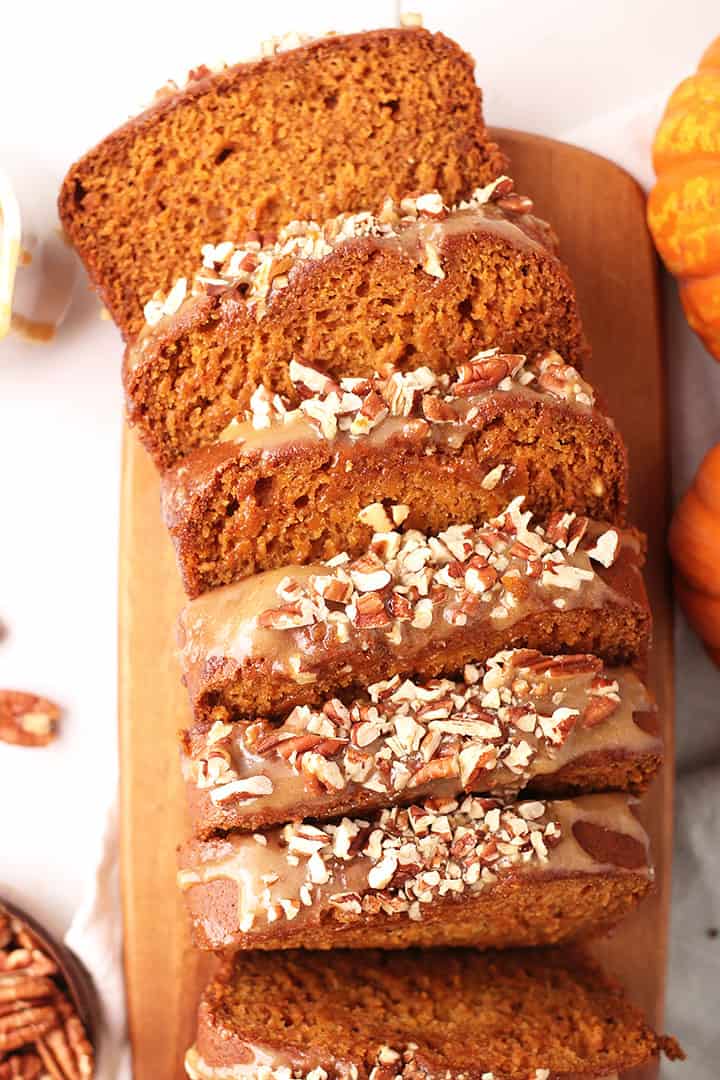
point(594, 74)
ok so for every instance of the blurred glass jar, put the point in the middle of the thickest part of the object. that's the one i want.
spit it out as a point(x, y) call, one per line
point(38, 271)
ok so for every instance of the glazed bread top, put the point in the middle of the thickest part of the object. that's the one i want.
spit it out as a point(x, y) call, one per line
point(403, 860)
point(520, 717)
point(408, 595)
point(418, 227)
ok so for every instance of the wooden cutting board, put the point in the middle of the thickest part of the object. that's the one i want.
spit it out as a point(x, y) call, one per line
point(598, 212)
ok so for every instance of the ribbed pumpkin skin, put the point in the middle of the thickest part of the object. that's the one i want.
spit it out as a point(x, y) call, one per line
point(684, 206)
point(694, 542)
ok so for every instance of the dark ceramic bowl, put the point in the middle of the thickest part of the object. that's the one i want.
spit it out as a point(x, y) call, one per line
point(72, 976)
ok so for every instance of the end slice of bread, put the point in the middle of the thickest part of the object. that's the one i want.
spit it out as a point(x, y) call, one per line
point(334, 124)
point(459, 1014)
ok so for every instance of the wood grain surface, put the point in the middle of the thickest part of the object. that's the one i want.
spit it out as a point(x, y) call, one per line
point(598, 213)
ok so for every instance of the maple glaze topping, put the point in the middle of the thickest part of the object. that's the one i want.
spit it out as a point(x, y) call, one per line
point(407, 858)
point(521, 715)
point(408, 590)
point(272, 1064)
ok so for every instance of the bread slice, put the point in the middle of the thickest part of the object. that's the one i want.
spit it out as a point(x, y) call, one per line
point(312, 128)
point(547, 724)
point(475, 871)
point(418, 283)
point(414, 604)
point(302, 485)
point(544, 1014)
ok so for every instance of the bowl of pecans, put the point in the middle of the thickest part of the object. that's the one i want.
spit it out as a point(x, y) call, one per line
point(48, 1007)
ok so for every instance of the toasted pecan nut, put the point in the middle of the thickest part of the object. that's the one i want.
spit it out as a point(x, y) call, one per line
point(27, 719)
point(24, 1026)
point(30, 961)
point(19, 986)
point(66, 1052)
point(22, 1066)
point(519, 204)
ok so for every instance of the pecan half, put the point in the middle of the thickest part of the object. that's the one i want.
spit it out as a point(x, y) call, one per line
point(65, 1051)
point(518, 204)
point(24, 1026)
point(22, 1066)
point(27, 719)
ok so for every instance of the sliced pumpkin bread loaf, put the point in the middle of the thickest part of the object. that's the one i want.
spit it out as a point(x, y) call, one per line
point(458, 1014)
point(299, 485)
point(442, 871)
point(414, 604)
point(545, 724)
point(310, 129)
point(416, 284)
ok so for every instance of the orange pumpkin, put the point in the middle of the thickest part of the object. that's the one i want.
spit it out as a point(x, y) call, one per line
point(695, 550)
point(684, 206)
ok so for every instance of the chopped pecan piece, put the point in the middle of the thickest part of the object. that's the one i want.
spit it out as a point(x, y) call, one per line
point(436, 410)
point(438, 769)
point(559, 666)
point(371, 611)
point(519, 204)
point(598, 710)
point(477, 375)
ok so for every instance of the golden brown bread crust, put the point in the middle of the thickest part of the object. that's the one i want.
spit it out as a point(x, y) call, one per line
point(467, 1013)
point(363, 116)
point(234, 511)
point(357, 309)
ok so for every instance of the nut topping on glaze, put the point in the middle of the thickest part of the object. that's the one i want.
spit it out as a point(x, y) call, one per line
point(389, 1064)
point(413, 578)
point(400, 860)
point(261, 264)
point(357, 406)
point(406, 734)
